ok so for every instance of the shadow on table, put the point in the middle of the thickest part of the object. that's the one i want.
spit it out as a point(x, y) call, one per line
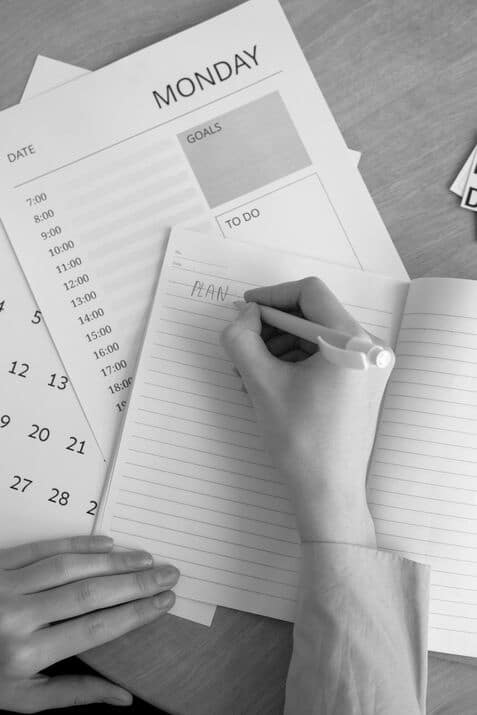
point(74, 666)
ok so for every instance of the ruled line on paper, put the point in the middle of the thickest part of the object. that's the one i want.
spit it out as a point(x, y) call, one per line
point(207, 494)
point(202, 480)
point(273, 551)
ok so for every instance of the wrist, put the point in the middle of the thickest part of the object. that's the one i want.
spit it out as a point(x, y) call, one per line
point(336, 517)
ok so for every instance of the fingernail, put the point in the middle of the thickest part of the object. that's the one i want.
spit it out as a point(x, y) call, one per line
point(166, 574)
point(164, 601)
point(141, 559)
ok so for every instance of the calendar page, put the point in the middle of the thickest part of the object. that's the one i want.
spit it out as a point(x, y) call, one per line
point(220, 129)
point(51, 469)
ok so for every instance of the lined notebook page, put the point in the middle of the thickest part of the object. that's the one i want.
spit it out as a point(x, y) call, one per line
point(423, 479)
point(192, 482)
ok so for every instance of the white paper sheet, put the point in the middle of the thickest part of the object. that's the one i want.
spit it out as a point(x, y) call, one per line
point(118, 171)
point(423, 478)
point(469, 195)
point(192, 482)
point(458, 185)
point(52, 470)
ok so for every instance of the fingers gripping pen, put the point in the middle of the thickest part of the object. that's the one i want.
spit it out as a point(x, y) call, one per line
point(337, 347)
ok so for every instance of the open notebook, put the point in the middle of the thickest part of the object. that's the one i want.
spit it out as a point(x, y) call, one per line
point(193, 484)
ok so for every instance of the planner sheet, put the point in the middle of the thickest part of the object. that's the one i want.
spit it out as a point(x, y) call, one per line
point(192, 481)
point(221, 128)
point(423, 477)
point(52, 470)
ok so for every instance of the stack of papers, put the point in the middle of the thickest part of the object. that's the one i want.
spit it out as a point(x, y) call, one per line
point(465, 183)
point(221, 129)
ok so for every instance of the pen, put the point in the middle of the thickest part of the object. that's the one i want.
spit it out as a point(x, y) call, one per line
point(338, 347)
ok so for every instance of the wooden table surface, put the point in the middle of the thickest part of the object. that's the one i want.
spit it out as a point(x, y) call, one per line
point(400, 78)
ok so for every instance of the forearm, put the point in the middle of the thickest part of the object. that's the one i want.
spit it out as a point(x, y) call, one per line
point(360, 640)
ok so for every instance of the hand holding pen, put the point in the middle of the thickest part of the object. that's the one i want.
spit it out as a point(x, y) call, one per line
point(308, 405)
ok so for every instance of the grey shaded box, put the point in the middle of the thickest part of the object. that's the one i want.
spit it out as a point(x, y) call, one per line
point(244, 149)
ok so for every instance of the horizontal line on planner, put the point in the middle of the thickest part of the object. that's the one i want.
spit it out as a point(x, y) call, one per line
point(425, 454)
point(440, 429)
point(450, 600)
point(205, 494)
point(152, 207)
point(205, 263)
point(204, 466)
point(431, 556)
point(200, 394)
point(426, 441)
point(190, 325)
point(188, 337)
point(201, 302)
point(124, 176)
point(142, 195)
point(142, 232)
point(201, 315)
point(436, 357)
point(196, 367)
point(213, 275)
point(426, 498)
point(443, 315)
point(425, 484)
point(420, 511)
point(145, 131)
point(202, 508)
point(188, 285)
point(441, 558)
point(432, 399)
point(439, 330)
point(433, 414)
point(441, 345)
point(452, 630)
point(198, 422)
point(451, 615)
point(204, 551)
point(137, 276)
point(193, 352)
point(210, 538)
point(155, 213)
point(202, 479)
point(430, 384)
point(426, 469)
point(427, 526)
point(195, 379)
point(201, 409)
point(247, 405)
point(433, 372)
point(202, 451)
point(452, 573)
point(363, 307)
point(235, 572)
point(136, 154)
point(199, 436)
point(428, 541)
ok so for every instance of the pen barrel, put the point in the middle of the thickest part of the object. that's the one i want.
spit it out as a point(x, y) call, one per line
point(301, 328)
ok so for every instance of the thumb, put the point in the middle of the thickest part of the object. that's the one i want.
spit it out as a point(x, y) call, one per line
point(66, 690)
point(241, 339)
